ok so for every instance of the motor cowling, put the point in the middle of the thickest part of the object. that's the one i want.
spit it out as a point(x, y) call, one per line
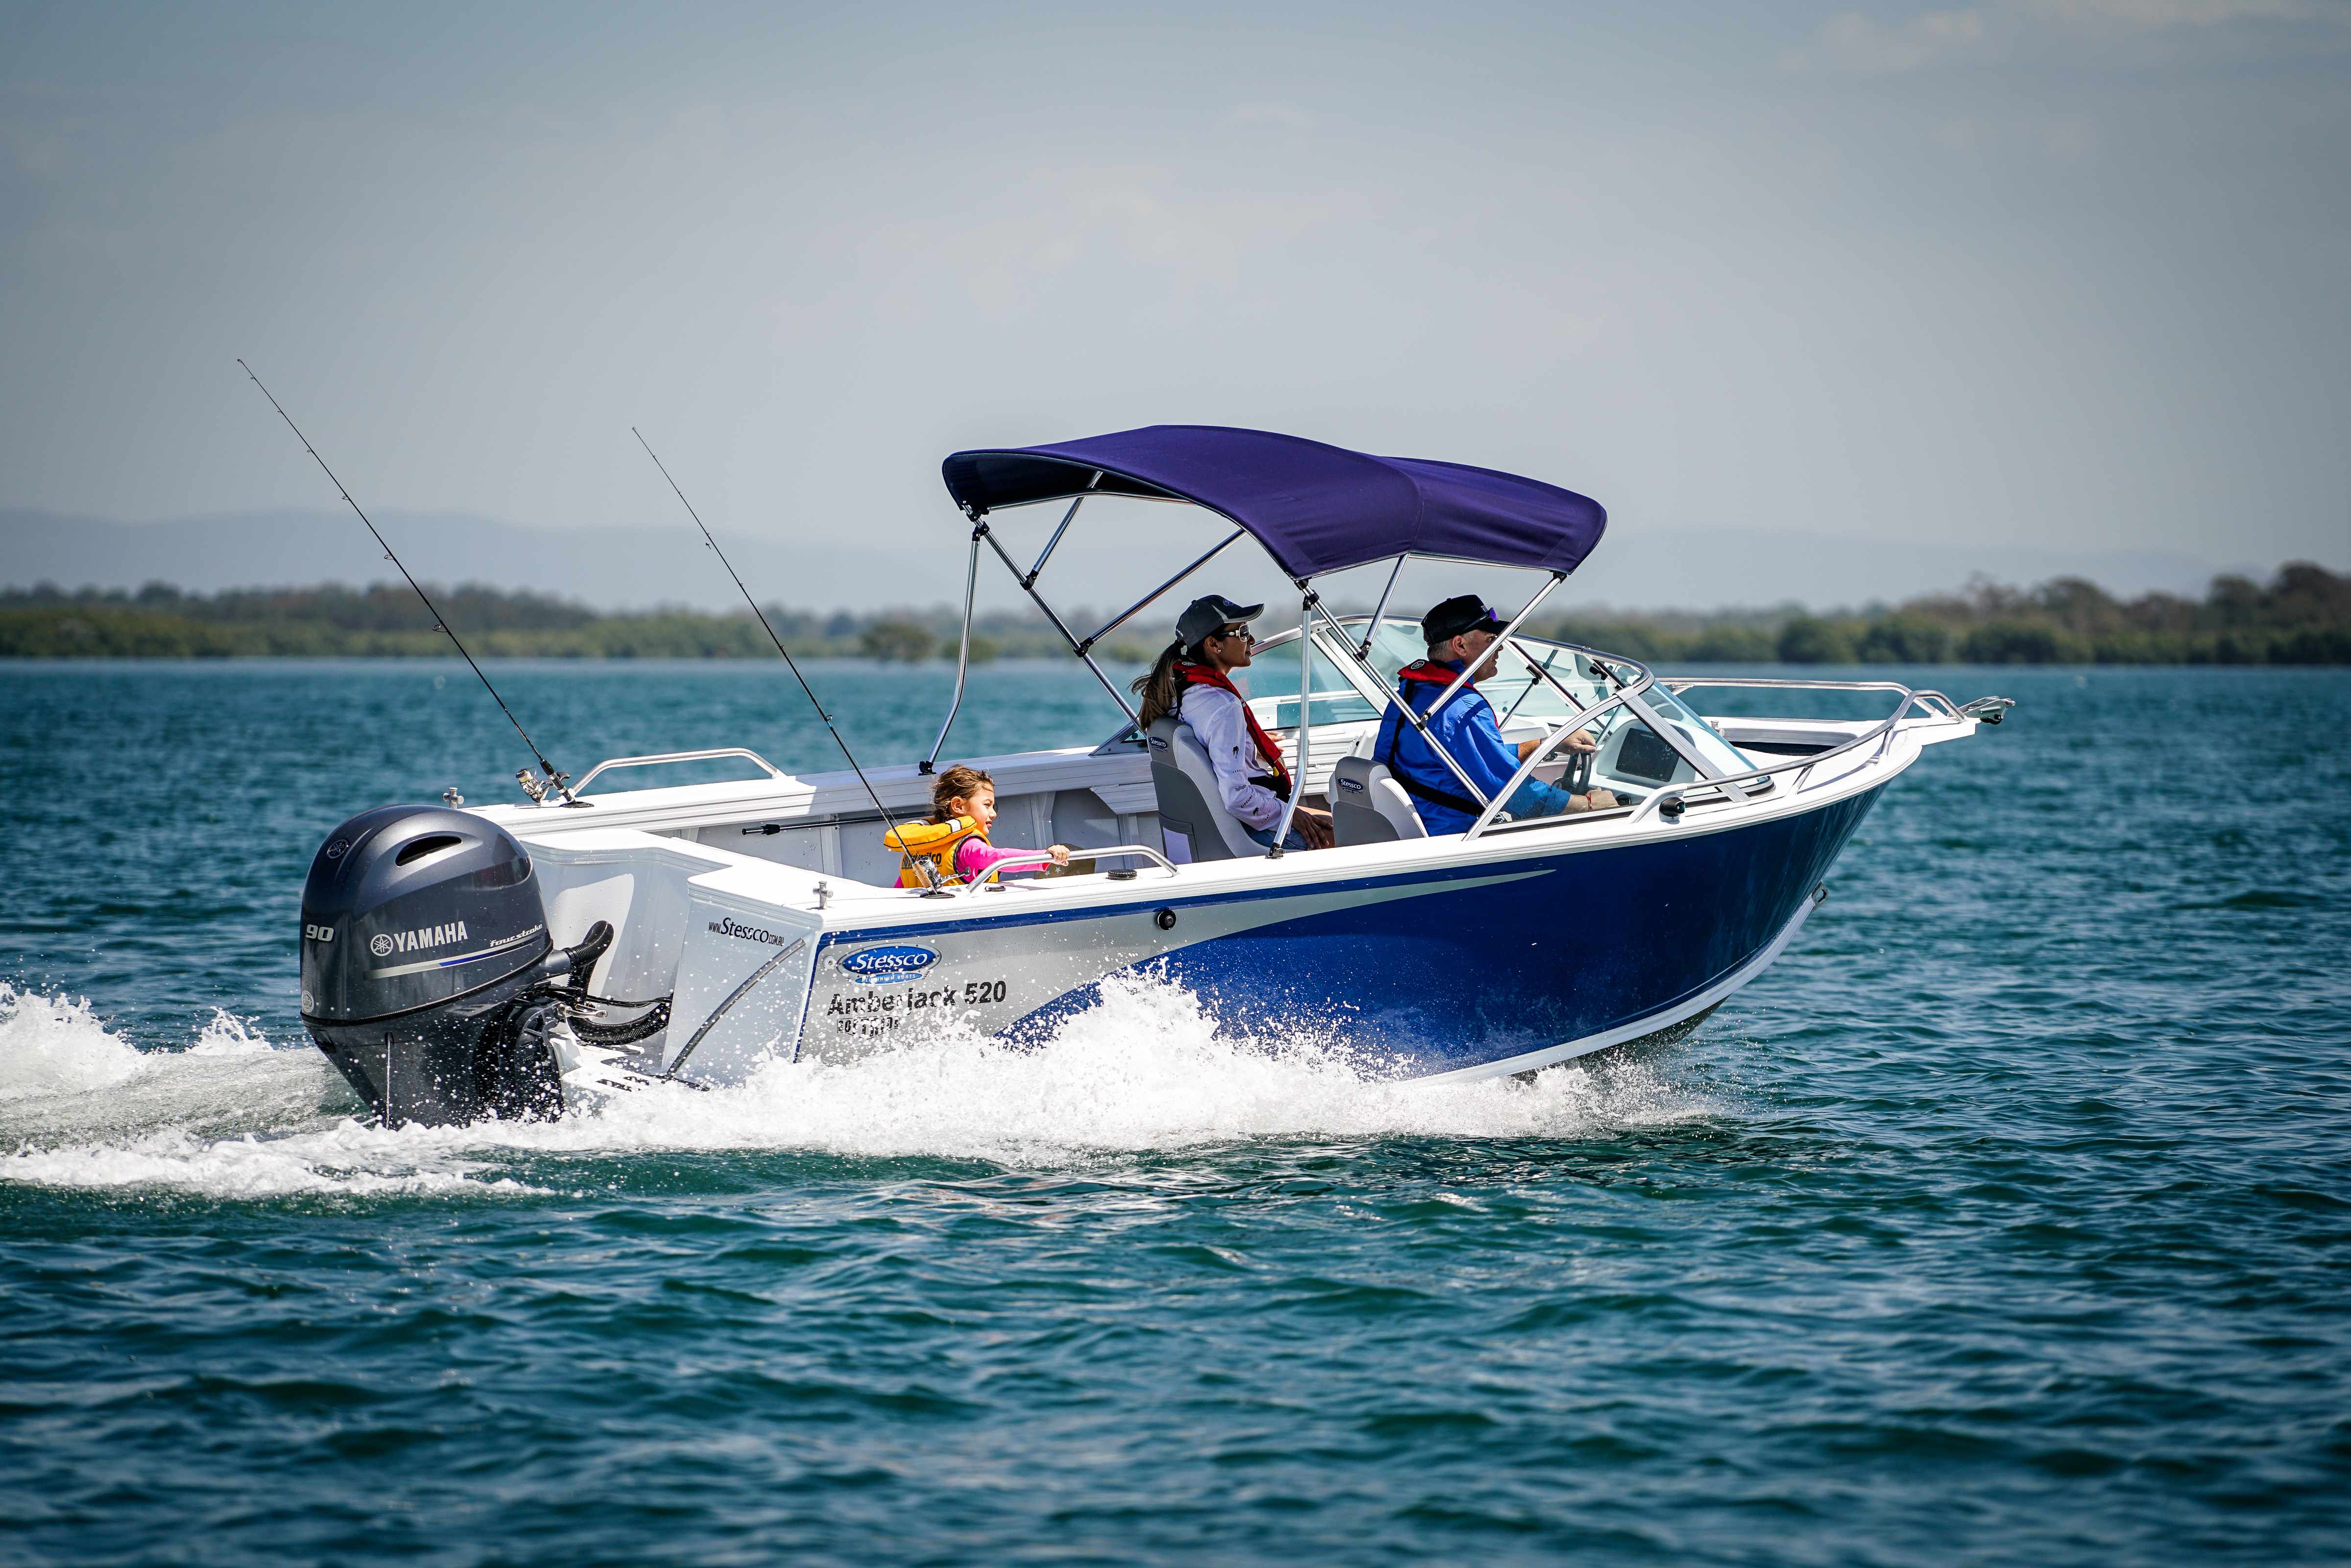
point(426, 963)
point(408, 907)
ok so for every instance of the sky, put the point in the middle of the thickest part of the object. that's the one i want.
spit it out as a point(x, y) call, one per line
point(2027, 275)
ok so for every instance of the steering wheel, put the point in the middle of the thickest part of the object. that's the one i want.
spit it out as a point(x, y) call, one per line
point(1577, 777)
point(1575, 767)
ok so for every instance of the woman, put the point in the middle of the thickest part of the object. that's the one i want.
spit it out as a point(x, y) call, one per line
point(1192, 680)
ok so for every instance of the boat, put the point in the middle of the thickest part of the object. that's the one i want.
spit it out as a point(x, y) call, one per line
point(520, 960)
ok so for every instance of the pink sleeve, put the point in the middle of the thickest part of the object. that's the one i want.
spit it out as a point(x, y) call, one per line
point(973, 857)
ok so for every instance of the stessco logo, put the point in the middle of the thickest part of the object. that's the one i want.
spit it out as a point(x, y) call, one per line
point(880, 966)
point(384, 944)
point(729, 926)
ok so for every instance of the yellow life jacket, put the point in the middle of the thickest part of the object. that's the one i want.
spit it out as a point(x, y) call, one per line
point(935, 842)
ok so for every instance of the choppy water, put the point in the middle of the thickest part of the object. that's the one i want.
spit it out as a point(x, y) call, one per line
point(2006, 1220)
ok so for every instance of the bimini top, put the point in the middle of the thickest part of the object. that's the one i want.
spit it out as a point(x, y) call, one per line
point(1315, 508)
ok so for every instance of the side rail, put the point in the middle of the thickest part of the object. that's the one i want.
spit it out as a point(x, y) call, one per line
point(1669, 803)
point(618, 762)
point(1029, 858)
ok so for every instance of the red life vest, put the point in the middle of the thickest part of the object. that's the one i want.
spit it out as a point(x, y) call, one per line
point(1421, 673)
point(1205, 675)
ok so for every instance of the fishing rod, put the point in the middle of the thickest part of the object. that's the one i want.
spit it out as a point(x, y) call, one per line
point(929, 875)
point(557, 783)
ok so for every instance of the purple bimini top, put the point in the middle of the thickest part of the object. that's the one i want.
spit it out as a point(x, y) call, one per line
point(1315, 508)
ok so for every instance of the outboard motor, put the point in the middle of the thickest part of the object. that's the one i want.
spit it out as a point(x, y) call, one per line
point(429, 977)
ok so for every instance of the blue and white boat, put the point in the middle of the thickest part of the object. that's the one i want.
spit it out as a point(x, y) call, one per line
point(693, 933)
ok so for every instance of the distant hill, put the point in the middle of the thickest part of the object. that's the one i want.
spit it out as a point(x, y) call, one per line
point(869, 567)
point(2301, 616)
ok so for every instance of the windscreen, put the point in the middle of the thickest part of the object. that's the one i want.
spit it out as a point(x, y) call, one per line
point(1515, 688)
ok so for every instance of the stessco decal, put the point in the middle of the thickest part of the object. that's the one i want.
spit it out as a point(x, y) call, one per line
point(887, 965)
point(729, 926)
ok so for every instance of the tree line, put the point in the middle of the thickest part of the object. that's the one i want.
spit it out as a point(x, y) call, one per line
point(2301, 616)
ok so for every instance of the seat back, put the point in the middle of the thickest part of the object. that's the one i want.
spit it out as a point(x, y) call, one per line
point(1189, 804)
point(1369, 807)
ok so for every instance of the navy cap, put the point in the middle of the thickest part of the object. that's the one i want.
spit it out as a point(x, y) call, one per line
point(1462, 612)
point(1210, 615)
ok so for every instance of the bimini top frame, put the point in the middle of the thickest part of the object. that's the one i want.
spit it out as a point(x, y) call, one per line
point(1315, 509)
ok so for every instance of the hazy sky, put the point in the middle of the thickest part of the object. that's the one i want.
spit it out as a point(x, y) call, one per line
point(2036, 272)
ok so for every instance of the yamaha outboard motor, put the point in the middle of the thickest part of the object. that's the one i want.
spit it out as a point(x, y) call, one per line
point(429, 978)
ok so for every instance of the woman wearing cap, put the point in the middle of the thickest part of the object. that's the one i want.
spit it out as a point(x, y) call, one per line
point(1192, 680)
point(1461, 633)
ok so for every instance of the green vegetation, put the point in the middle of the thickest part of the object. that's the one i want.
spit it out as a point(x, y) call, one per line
point(385, 620)
point(2303, 616)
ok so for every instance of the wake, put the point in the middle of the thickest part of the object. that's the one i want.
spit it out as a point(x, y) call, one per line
point(1143, 1071)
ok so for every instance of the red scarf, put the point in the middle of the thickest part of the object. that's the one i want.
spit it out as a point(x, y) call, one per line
point(1207, 675)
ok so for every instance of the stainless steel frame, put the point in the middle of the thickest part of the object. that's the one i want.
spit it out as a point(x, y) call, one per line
point(1372, 627)
point(1306, 603)
point(963, 650)
point(1129, 613)
point(773, 771)
point(1395, 699)
point(1672, 800)
point(1468, 669)
point(1028, 858)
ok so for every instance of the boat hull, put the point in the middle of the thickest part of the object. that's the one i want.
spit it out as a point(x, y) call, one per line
point(1462, 970)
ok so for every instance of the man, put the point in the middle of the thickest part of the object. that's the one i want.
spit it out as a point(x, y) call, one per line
point(1461, 633)
point(1192, 680)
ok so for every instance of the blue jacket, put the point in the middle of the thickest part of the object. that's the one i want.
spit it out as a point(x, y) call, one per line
point(1466, 727)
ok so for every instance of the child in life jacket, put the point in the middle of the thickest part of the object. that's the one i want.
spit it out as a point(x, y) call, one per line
point(954, 843)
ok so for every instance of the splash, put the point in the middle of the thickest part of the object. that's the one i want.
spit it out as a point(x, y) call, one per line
point(1145, 1071)
point(54, 1046)
point(228, 1035)
point(348, 1160)
point(67, 1081)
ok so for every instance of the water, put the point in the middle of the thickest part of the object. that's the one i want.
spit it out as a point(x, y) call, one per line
point(2006, 1220)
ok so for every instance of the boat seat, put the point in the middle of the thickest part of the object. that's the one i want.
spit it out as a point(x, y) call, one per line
point(1189, 804)
point(1369, 807)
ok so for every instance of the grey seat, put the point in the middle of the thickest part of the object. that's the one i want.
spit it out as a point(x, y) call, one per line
point(1369, 807)
point(1189, 804)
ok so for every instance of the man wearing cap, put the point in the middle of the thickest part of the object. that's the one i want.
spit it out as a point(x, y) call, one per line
point(1192, 680)
point(1461, 633)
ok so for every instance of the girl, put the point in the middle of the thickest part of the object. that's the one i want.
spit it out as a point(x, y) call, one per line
point(954, 843)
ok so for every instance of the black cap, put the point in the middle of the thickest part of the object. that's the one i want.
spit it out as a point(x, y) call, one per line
point(1210, 615)
point(1462, 612)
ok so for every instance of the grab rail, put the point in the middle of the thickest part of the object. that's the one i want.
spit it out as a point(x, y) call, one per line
point(1026, 858)
point(1881, 733)
point(1670, 802)
point(773, 771)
